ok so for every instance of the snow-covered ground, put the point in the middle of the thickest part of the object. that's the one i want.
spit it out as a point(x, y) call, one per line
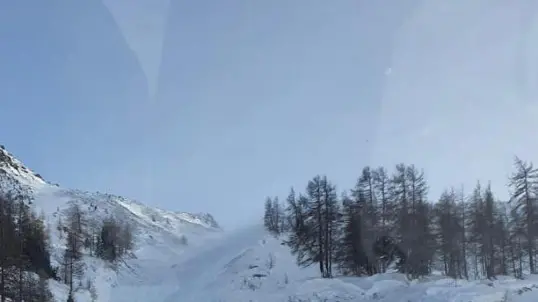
point(244, 267)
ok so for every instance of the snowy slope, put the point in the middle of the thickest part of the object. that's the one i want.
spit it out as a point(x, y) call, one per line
point(161, 237)
point(16, 170)
point(246, 268)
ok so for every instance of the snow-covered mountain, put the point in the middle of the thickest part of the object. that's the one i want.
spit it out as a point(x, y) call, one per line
point(168, 220)
point(161, 236)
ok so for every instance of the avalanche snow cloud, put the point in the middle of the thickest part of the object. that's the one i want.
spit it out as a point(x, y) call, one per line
point(464, 74)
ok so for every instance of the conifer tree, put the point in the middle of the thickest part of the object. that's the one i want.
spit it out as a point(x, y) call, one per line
point(524, 185)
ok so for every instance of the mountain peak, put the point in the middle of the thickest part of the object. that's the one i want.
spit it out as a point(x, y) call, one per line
point(16, 170)
point(209, 219)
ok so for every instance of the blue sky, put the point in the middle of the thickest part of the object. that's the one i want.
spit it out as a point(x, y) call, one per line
point(461, 99)
point(209, 106)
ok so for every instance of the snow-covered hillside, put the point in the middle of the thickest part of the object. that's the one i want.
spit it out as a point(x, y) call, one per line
point(161, 236)
point(265, 271)
point(250, 266)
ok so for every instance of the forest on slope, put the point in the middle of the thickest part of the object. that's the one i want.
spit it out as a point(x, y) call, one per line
point(26, 261)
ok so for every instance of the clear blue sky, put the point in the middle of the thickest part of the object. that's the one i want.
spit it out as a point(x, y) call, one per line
point(209, 106)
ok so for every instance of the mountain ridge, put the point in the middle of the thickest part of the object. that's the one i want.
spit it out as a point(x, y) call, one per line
point(9, 164)
point(160, 237)
point(15, 169)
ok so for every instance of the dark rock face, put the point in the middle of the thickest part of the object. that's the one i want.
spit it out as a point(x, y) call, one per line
point(209, 219)
point(8, 161)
